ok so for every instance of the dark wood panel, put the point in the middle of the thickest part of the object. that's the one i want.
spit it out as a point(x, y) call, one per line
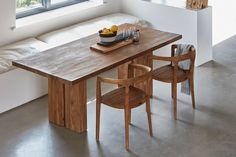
point(75, 61)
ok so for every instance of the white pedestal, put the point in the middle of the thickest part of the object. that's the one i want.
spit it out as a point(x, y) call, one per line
point(172, 16)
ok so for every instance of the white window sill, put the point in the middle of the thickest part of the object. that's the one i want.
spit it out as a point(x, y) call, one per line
point(65, 11)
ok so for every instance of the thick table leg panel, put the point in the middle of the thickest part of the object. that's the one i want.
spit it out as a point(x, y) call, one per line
point(144, 60)
point(67, 105)
point(56, 109)
point(76, 107)
point(123, 71)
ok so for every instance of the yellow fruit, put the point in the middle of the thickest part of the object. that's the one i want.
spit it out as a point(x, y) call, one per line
point(105, 31)
point(114, 28)
point(110, 32)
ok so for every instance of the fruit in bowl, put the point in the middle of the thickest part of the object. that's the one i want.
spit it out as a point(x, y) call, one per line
point(108, 35)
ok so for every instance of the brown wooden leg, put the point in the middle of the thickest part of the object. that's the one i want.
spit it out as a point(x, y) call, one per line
point(175, 100)
point(68, 104)
point(148, 108)
point(172, 90)
point(76, 106)
point(98, 111)
point(56, 104)
point(127, 129)
point(191, 81)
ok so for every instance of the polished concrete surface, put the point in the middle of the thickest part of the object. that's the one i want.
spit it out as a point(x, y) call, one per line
point(208, 131)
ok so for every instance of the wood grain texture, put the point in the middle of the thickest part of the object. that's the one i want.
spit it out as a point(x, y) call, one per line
point(67, 104)
point(68, 66)
point(56, 103)
point(116, 98)
point(124, 73)
point(144, 60)
point(103, 49)
point(75, 61)
point(125, 97)
point(76, 107)
point(173, 74)
point(166, 74)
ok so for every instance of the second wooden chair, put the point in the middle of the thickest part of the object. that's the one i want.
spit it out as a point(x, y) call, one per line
point(173, 74)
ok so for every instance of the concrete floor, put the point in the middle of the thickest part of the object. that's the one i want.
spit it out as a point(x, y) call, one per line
point(208, 131)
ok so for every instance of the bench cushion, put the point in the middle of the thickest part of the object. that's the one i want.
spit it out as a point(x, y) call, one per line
point(55, 38)
point(87, 28)
point(19, 50)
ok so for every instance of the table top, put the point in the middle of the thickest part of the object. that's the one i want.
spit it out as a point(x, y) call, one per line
point(75, 61)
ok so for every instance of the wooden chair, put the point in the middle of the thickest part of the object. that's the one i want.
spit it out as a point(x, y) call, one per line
point(173, 74)
point(126, 97)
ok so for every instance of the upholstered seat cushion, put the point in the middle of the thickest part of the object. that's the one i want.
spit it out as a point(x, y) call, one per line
point(87, 28)
point(19, 50)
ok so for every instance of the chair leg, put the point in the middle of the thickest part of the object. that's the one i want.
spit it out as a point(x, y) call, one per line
point(175, 100)
point(172, 90)
point(148, 109)
point(98, 111)
point(191, 81)
point(130, 116)
point(127, 129)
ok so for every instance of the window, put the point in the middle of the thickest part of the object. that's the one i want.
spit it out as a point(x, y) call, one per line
point(30, 7)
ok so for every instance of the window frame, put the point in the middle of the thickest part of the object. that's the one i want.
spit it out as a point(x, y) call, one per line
point(47, 6)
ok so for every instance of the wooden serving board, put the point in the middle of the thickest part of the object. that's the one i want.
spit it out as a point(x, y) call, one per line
point(104, 49)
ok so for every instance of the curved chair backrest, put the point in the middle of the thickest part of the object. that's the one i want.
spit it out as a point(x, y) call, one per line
point(144, 77)
point(187, 56)
point(146, 73)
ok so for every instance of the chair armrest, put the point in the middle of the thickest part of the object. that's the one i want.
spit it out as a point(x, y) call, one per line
point(140, 67)
point(175, 59)
point(110, 81)
point(106, 80)
point(160, 58)
point(185, 56)
point(125, 82)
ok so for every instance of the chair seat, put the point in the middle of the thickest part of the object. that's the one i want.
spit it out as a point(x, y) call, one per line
point(116, 98)
point(166, 74)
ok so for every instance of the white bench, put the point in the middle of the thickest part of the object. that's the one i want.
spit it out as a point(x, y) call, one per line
point(18, 86)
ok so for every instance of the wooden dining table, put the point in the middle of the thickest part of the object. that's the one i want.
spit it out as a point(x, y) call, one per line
point(68, 67)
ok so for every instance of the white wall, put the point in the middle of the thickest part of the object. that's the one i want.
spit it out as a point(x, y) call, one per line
point(7, 20)
point(195, 26)
point(224, 19)
point(163, 17)
point(224, 16)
